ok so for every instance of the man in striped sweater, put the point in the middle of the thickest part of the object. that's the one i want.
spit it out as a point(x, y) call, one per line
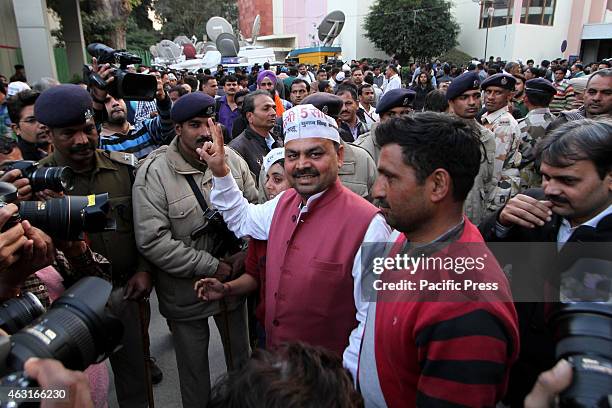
point(564, 98)
point(425, 348)
point(117, 134)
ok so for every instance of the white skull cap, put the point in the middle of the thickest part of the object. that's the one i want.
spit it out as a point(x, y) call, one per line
point(306, 121)
point(274, 155)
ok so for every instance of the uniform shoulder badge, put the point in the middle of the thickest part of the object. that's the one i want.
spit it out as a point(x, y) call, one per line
point(123, 158)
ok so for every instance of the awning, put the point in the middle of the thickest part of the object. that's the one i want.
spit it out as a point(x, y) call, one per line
point(597, 31)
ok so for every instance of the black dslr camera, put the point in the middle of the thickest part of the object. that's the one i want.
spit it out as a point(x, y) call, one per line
point(227, 243)
point(65, 218)
point(77, 330)
point(57, 179)
point(126, 85)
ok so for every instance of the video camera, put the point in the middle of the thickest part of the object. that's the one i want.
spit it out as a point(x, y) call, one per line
point(65, 218)
point(126, 85)
point(57, 179)
point(77, 330)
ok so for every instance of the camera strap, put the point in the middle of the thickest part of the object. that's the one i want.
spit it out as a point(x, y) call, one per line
point(196, 190)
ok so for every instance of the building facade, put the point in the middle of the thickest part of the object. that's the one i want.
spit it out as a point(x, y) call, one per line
point(535, 29)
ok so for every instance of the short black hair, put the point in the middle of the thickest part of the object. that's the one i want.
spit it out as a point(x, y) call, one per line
point(321, 71)
point(20, 100)
point(230, 78)
point(583, 139)
point(435, 101)
point(204, 79)
point(347, 88)
point(323, 85)
point(294, 375)
point(249, 101)
point(179, 89)
point(191, 81)
point(2, 88)
point(362, 87)
point(431, 141)
point(300, 81)
point(293, 71)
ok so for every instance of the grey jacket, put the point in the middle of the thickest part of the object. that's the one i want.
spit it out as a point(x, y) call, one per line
point(167, 212)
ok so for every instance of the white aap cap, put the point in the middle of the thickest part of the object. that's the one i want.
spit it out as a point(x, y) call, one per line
point(306, 121)
point(274, 155)
point(15, 87)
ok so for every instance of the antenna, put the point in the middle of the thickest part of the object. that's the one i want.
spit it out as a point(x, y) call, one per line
point(169, 50)
point(255, 30)
point(182, 40)
point(330, 27)
point(227, 44)
point(216, 26)
point(153, 51)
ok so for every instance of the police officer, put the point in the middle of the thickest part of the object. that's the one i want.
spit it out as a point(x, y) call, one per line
point(171, 195)
point(393, 103)
point(67, 111)
point(498, 90)
point(463, 95)
point(358, 171)
point(539, 93)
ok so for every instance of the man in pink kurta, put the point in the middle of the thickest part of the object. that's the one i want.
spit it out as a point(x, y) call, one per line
point(314, 232)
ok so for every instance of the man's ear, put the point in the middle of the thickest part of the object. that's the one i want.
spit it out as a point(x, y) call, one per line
point(441, 185)
point(340, 154)
point(16, 129)
point(178, 128)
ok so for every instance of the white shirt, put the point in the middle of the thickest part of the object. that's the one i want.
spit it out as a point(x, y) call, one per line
point(309, 77)
point(566, 230)
point(370, 115)
point(254, 220)
point(393, 83)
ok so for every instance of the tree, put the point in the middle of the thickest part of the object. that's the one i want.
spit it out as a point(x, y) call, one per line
point(421, 29)
point(189, 17)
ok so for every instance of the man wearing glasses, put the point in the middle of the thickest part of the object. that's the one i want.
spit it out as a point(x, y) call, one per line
point(32, 136)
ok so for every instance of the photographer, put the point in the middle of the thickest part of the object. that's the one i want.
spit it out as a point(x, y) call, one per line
point(116, 133)
point(574, 205)
point(171, 200)
point(67, 111)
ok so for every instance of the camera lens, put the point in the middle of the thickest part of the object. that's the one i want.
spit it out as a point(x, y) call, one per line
point(77, 330)
point(583, 332)
point(53, 178)
point(68, 217)
point(18, 312)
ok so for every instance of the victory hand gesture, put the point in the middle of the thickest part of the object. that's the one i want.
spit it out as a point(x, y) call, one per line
point(214, 152)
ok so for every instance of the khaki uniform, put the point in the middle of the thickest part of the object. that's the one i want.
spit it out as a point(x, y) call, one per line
point(168, 213)
point(533, 128)
point(368, 142)
point(507, 156)
point(113, 173)
point(476, 203)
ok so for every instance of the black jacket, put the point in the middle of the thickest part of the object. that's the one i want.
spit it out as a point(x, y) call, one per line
point(537, 342)
point(252, 147)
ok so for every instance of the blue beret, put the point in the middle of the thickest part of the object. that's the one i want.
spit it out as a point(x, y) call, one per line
point(395, 98)
point(329, 104)
point(63, 105)
point(464, 82)
point(501, 80)
point(540, 85)
point(192, 105)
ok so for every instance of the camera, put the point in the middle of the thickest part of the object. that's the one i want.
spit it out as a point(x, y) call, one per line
point(77, 331)
point(583, 335)
point(65, 218)
point(17, 313)
point(53, 178)
point(126, 85)
point(227, 243)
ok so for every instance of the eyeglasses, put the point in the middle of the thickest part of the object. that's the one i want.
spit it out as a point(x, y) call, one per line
point(29, 120)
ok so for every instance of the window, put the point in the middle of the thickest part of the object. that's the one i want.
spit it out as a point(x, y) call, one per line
point(538, 12)
point(502, 13)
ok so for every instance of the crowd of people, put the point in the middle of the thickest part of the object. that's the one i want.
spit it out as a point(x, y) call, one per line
point(251, 197)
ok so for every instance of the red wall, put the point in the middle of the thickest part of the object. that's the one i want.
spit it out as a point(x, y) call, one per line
point(248, 9)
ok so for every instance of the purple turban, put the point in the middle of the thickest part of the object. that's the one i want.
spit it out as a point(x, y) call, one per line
point(267, 73)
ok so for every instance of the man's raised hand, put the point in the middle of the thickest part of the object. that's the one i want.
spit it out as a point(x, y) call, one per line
point(213, 153)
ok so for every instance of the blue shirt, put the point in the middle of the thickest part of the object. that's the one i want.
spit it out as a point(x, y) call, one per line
point(226, 115)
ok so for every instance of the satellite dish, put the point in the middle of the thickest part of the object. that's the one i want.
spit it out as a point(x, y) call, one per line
point(255, 30)
point(200, 47)
point(216, 26)
point(330, 27)
point(227, 44)
point(209, 46)
point(169, 50)
point(182, 40)
point(153, 51)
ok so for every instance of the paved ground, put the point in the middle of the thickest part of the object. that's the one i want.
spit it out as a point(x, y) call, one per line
point(167, 393)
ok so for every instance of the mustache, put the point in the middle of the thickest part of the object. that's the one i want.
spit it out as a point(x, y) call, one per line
point(203, 139)
point(557, 199)
point(382, 203)
point(80, 148)
point(305, 172)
